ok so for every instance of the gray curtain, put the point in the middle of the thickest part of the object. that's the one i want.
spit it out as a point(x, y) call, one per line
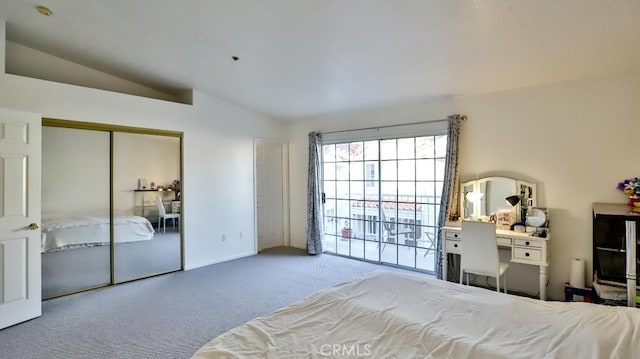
point(314, 196)
point(449, 203)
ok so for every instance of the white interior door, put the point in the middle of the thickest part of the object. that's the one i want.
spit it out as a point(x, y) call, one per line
point(20, 288)
point(269, 194)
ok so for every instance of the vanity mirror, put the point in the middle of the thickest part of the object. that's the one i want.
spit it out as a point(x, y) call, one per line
point(483, 197)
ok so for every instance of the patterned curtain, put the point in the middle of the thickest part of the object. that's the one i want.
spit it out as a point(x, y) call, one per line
point(449, 203)
point(314, 196)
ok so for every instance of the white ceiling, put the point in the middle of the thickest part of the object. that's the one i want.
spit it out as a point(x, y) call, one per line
point(303, 58)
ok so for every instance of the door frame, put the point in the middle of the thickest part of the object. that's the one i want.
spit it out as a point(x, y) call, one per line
point(286, 232)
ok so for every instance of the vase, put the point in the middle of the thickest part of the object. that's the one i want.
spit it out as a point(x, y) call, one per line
point(633, 201)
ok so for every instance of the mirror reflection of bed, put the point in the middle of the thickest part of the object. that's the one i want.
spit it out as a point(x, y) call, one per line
point(78, 256)
point(76, 199)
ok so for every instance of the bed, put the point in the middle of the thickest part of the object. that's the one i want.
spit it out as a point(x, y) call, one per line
point(60, 233)
point(394, 315)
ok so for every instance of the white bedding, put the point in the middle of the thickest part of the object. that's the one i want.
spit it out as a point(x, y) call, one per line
point(82, 231)
point(392, 315)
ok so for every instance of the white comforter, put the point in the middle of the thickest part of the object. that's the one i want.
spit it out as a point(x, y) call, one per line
point(391, 315)
point(82, 231)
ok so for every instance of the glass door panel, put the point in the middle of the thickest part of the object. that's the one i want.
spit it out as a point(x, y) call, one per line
point(371, 151)
point(388, 150)
point(147, 203)
point(75, 249)
point(382, 199)
point(426, 245)
point(372, 243)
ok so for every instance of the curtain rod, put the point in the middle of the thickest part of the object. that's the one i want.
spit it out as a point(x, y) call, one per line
point(463, 118)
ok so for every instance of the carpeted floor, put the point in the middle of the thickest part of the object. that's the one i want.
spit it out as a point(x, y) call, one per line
point(171, 316)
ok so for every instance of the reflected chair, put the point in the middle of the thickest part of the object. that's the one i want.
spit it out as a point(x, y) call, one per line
point(479, 252)
point(163, 216)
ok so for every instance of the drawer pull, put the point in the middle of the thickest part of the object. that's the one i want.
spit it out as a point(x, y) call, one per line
point(526, 243)
point(455, 235)
point(526, 254)
point(455, 246)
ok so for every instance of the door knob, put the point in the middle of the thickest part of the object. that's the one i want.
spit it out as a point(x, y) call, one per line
point(33, 226)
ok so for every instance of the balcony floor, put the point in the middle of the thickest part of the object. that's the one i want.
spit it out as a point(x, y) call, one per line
point(397, 254)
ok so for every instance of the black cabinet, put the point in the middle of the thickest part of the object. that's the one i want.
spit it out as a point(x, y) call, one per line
point(611, 256)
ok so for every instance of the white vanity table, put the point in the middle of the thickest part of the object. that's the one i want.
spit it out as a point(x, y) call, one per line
point(488, 196)
point(525, 249)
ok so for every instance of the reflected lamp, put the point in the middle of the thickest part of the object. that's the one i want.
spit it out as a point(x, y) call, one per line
point(474, 197)
point(513, 200)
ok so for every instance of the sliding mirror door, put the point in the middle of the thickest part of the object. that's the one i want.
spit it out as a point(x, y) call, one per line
point(107, 192)
point(147, 203)
point(75, 210)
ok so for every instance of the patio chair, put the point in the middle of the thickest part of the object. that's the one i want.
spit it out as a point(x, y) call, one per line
point(391, 232)
point(430, 243)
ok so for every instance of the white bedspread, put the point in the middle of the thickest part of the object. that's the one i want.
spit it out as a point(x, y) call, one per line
point(392, 315)
point(81, 231)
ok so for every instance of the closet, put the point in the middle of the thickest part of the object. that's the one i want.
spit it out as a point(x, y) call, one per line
point(96, 230)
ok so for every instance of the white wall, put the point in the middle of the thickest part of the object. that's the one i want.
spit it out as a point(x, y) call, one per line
point(576, 140)
point(218, 153)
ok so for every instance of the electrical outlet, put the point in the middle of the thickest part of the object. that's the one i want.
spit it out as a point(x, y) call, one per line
point(224, 237)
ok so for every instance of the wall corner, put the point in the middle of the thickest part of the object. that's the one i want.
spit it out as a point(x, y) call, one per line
point(3, 44)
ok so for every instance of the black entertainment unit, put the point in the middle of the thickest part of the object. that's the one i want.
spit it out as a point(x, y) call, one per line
point(610, 265)
point(611, 225)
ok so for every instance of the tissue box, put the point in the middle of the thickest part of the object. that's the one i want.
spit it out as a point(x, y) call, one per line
point(504, 219)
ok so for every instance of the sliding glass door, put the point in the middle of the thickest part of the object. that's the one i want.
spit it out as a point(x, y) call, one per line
point(382, 199)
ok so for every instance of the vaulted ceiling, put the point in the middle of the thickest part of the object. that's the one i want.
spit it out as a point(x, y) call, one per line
point(300, 58)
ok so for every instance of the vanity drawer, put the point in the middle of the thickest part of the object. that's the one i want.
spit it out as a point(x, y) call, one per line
point(452, 235)
point(527, 243)
point(529, 254)
point(502, 241)
point(452, 246)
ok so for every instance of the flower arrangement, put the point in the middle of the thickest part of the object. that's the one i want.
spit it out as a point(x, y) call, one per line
point(630, 187)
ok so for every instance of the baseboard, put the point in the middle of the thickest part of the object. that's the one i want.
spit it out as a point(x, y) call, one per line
point(219, 260)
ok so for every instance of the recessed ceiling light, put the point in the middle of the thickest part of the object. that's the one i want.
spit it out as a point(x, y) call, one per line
point(43, 10)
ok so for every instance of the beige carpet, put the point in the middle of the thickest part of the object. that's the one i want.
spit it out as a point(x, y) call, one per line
point(171, 316)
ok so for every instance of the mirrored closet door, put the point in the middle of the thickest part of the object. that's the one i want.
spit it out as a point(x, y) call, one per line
point(146, 189)
point(75, 210)
point(111, 205)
